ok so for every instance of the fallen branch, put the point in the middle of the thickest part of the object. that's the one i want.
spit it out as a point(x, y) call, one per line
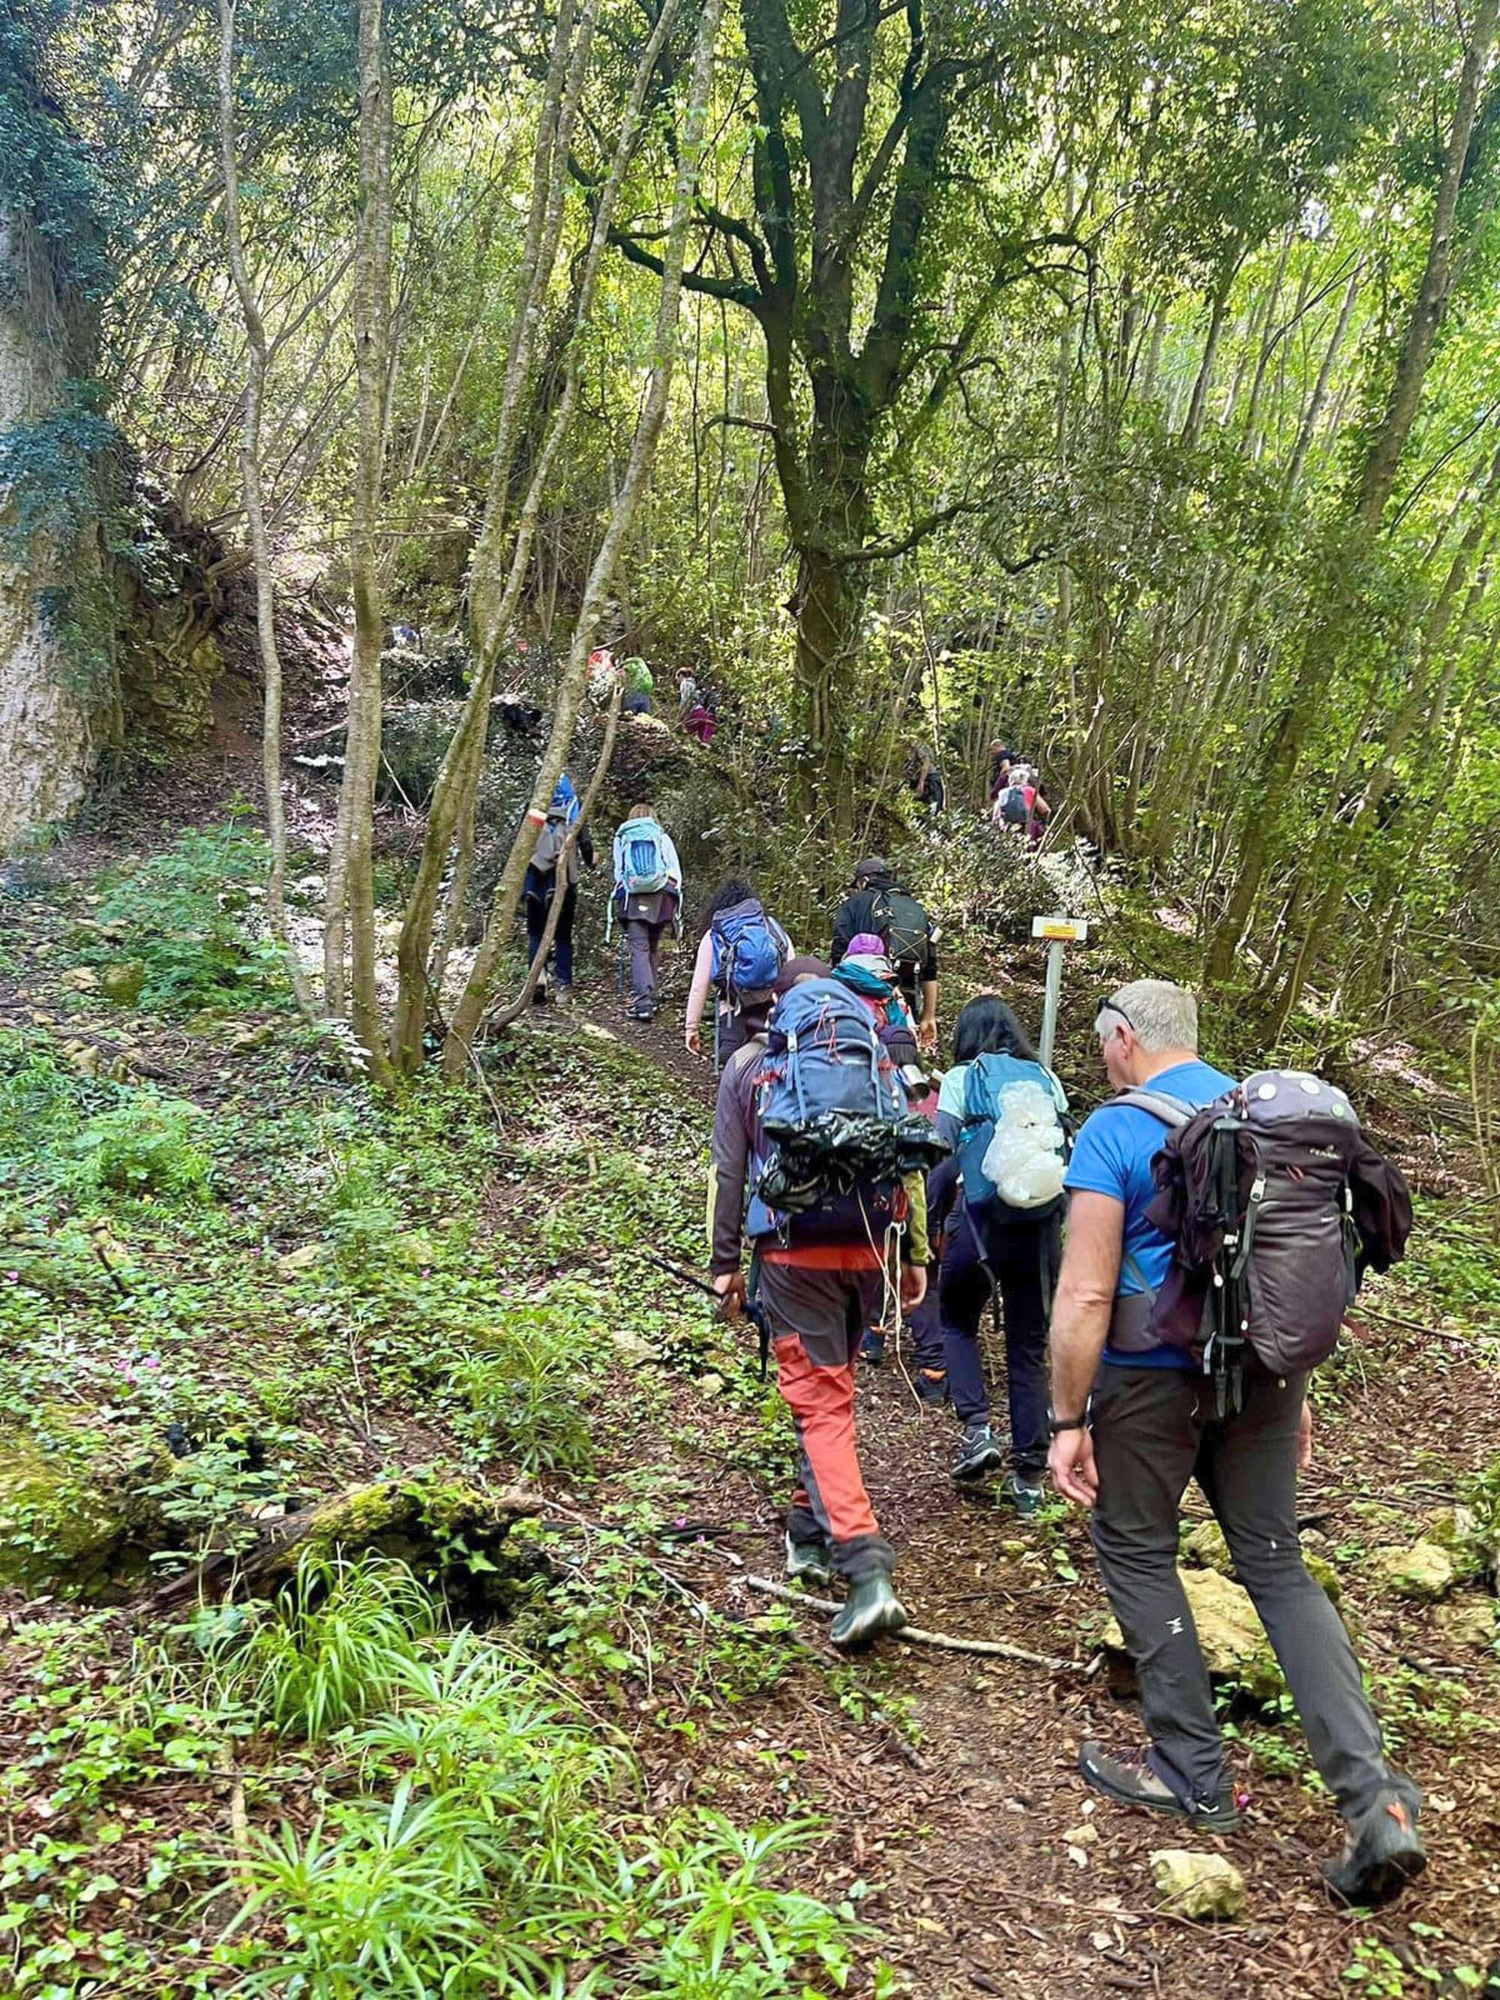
point(1000, 1649)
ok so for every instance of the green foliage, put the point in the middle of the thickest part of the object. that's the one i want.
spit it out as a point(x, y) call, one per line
point(335, 1646)
point(46, 170)
point(145, 1145)
point(523, 1382)
point(183, 915)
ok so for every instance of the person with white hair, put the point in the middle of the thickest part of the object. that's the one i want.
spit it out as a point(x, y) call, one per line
point(1133, 1420)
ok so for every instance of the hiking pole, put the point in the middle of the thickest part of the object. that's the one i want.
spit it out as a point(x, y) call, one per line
point(683, 1277)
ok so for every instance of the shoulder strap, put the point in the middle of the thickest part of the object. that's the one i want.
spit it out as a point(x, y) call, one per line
point(1174, 1112)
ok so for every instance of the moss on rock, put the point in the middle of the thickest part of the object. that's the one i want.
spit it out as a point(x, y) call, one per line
point(78, 1523)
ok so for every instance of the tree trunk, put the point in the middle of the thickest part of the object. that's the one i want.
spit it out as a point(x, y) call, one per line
point(371, 311)
point(256, 369)
point(499, 585)
point(50, 729)
point(467, 1016)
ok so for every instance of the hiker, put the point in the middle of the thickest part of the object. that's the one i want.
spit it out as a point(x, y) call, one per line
point(928, 784)
point(878, 904)
point(701, 724)
point(639, 681)
point(647, 895)
point(810, 1270)
point(1001, 759)
point(1135, 1416)
point(1001, 1237)
point(868, 972)
point(740, 956)
point(540, 886)
point(1019, 806)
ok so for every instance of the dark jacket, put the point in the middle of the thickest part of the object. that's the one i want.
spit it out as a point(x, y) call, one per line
point(861, 913)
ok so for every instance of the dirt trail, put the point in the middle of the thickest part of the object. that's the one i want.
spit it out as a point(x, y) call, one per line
point(980, 1888)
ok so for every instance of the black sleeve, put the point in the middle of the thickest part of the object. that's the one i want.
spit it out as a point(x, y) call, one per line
point(846, 927)
point(929, 962)
point(586, 847)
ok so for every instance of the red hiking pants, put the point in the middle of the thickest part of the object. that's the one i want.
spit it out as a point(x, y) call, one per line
point(816, 1321)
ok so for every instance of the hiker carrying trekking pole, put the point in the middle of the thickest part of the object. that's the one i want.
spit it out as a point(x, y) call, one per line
point(1216, 1234)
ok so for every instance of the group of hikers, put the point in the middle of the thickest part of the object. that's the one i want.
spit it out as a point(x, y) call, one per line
point(1165, 1275)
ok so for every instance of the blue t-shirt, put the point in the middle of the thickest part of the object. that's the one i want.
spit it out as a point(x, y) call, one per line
point(1112, 1155)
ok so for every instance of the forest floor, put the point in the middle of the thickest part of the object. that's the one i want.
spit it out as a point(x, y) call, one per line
point(323, 1286)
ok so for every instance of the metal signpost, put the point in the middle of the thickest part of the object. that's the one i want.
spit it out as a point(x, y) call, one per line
point(1059, 932)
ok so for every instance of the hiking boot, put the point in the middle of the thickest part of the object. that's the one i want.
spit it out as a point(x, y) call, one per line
point(809, 1562)
point(872, 1607)
point(1129, 1778)
point(978, 1455)
point(932, 1387)
point(1382, 1852)
point(640, 1010)
point(539, 994)
point(562, 996)
point(872, 1347)
point(1025, 1492)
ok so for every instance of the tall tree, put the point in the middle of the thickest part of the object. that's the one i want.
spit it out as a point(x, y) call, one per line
point(351, 890)
point(872, 125)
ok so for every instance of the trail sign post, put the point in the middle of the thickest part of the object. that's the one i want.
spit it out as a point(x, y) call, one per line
point(1059, 932)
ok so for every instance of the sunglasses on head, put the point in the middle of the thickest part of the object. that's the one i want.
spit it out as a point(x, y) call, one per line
point(1114, 1007)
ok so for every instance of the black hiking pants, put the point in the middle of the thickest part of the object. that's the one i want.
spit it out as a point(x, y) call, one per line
point(1154, 1430)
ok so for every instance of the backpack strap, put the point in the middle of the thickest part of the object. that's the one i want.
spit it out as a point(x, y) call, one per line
point(1174, 1112)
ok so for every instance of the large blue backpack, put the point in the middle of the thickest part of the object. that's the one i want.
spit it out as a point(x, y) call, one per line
point(640, 859)
point(748, 951)
point(823, 1056)
point(988, 1078)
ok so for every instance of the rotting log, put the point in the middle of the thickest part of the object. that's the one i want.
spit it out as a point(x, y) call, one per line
point(426, 1521)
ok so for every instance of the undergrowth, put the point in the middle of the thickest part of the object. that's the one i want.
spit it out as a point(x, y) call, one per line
point(461, 1825)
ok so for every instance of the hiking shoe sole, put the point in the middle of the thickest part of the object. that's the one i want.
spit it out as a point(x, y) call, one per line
point(969, 1471)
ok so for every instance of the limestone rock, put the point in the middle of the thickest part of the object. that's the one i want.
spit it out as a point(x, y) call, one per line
point(1207, 1547)
point(1423, 1571)
point(81, 978)
point(1234, 1642)
point(1468, 1621)
point(1205, 1887)
point(122, 981)
point(306, 1257)
point(630, 1346)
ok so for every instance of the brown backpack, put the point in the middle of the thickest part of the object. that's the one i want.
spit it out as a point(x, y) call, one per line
point(1276, 1203)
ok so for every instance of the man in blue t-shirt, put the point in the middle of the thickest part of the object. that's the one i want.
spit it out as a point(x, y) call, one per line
point(1133, 1422)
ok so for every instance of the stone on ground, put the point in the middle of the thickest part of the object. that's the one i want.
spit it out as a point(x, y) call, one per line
point(1423, 1571)
point(1205, 1887)
point(122, 981)
point(1234, 1642)
point(1468, 1621)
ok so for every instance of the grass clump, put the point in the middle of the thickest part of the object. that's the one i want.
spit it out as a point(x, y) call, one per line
point(144, 1145)
point(183, 917)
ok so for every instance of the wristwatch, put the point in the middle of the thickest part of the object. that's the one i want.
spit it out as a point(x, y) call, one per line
point(1056, 1425)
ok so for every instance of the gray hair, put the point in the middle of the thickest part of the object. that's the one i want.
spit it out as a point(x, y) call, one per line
point(1162, 1015)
